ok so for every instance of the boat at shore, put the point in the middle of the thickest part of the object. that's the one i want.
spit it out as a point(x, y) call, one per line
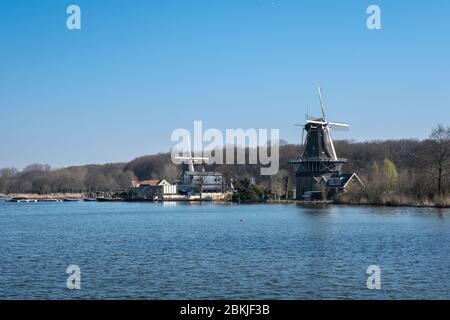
point(30, 200)
point(19, 200)
point(109, 199)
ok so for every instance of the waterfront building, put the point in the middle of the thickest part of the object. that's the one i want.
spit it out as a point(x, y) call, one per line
point(152, 189)
point(194, 182)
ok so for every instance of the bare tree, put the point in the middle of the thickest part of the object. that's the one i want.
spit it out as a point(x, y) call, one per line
point(8, 172)
point(279, 183)
point(170, 172)
point(37, 167)
point(440, 153)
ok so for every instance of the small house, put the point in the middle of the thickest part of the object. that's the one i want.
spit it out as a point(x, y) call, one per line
point(152, 189)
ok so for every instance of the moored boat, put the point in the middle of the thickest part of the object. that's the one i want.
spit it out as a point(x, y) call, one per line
point(22, 200)
point(109, 199)
point(71, 199)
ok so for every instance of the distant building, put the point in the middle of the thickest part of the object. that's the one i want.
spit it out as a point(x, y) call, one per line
point(198, 182)
point(152, 189)
point(193, 185)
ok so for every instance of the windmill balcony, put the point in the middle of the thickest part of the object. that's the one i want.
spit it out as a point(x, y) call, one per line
point(318, 166)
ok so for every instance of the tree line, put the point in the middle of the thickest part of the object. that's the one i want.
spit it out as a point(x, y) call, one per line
point(392, 170)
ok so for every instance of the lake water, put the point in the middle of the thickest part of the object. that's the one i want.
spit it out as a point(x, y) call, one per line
point(207, 251)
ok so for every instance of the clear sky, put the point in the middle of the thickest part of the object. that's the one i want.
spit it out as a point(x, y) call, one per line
point(137, 70)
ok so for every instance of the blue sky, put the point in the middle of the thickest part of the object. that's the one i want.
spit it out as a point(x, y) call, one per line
point(137, 70)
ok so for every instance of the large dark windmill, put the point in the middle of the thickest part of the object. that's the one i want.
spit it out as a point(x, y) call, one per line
point(319, 168)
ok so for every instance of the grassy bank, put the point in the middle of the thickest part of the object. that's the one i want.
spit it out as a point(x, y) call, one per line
point(57, 196)
point(393, 201)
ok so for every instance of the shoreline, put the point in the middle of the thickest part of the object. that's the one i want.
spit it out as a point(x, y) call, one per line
point(361, 204)
point(56, 196)
point(80, 196)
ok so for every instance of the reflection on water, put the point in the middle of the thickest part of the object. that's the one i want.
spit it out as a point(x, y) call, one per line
point(315, 209)
point(195, 251)
point(169, 204)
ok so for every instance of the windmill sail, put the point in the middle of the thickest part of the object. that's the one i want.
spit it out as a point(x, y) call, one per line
point(190, 161)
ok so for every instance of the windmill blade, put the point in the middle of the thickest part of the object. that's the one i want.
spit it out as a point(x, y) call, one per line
point(339, 128)
point(317, 122)
point(303, 134)
point(193, 159)
point(310, 117)
point(327, 131)
point(321, 103)
point(338, 124)
point(189, 146)
point(299, 125)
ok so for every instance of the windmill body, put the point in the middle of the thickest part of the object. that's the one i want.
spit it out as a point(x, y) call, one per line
point(319, 168)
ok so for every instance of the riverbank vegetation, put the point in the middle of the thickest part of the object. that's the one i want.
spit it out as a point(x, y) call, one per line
point(394, 172)
point(404, 172)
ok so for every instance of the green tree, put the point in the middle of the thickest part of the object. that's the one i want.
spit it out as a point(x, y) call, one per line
point(248, 192)
point(390, 173)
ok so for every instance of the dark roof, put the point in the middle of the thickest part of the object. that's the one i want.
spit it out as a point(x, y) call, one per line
point(340, 180)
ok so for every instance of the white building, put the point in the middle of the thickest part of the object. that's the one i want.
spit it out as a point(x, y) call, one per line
point(152, 189)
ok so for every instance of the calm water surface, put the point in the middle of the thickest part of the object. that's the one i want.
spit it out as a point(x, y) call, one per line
point(187, 251)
